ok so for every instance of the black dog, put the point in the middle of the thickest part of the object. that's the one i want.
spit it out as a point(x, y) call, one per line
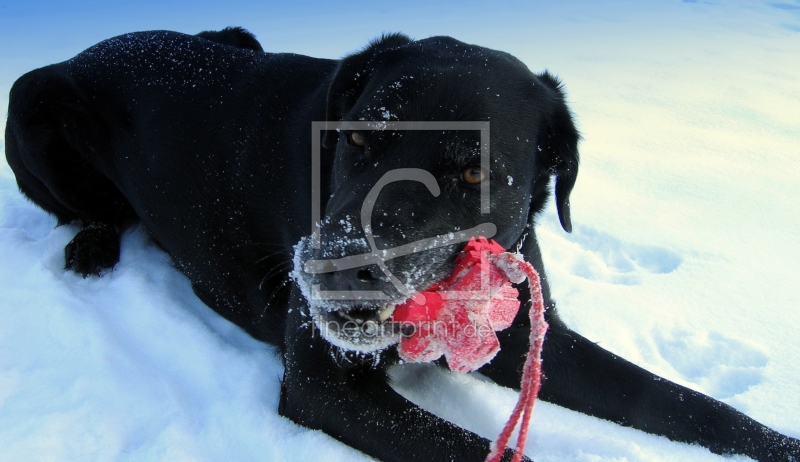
point(207, 141)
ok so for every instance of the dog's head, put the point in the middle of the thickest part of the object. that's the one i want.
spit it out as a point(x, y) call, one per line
point(401, 200)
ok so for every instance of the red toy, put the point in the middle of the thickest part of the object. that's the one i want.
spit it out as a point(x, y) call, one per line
point(458, 316)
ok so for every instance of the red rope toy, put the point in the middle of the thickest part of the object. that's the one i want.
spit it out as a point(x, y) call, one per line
point(458, 316)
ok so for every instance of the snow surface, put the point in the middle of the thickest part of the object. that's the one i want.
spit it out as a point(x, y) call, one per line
point(684, 257)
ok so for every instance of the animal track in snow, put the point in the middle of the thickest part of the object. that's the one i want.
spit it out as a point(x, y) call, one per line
point(721, 365)
point(604, 258)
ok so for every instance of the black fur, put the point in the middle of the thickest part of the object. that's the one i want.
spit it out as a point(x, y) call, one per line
point(95, 248)
point(233, 36)
point(206, 141)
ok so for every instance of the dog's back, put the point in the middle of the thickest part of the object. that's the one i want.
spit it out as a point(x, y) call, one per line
point(226, 206)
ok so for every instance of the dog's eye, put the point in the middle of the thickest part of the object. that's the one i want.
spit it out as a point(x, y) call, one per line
point(473, 175)
point(355, 139)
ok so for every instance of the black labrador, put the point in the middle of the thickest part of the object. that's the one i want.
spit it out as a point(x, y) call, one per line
point(208, 142)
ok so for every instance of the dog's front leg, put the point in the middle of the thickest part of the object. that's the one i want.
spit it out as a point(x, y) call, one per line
point(352, 401)
point(581, 376)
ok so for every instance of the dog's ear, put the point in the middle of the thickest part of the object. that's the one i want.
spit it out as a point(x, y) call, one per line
point(352, 76)
point(559, 143)
point(233, 36)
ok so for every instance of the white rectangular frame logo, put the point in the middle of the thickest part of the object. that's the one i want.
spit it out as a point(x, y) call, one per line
point(486, 229)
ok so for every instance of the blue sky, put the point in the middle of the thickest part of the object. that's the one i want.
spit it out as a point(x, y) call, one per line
point(34, 33)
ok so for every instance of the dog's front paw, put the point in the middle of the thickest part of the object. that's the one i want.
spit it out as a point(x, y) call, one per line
point(769, 446)
point(93, 250)
point(787, 449)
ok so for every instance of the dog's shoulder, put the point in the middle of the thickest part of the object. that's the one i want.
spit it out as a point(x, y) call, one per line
point(166, 52)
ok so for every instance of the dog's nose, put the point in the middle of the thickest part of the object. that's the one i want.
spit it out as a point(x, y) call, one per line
point(369, 278)
point(362, 278)
point(365, 275)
